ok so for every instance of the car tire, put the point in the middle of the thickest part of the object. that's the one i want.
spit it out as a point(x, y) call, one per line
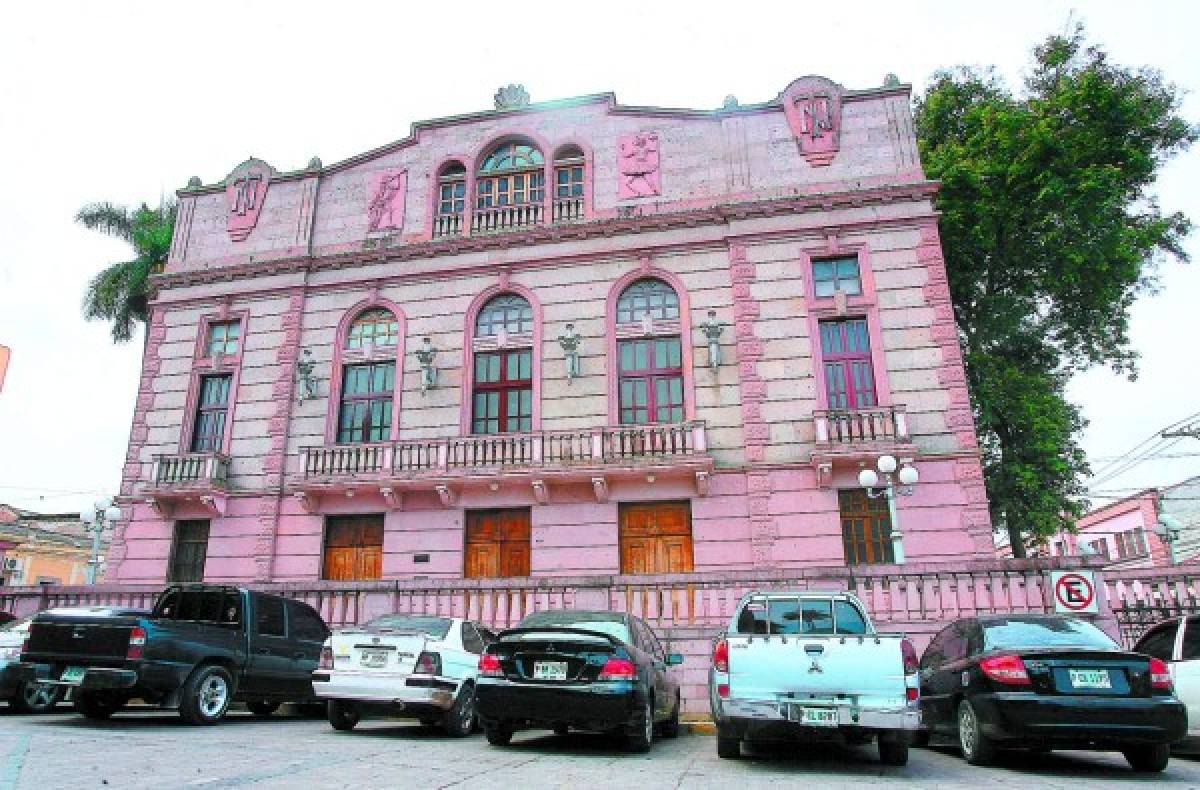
point(97, 706)
point(498, 734)
point(977, 748)
point(35, 698)
point(262, 707)
point(893, 748)
point(670, 727)
point(459, 721)
point(639, 742)
point(728, 748)
point(342, 715)
point(206, 695)
point(1149, 759)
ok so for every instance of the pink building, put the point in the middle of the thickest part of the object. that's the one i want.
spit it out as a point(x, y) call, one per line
point(570, 338)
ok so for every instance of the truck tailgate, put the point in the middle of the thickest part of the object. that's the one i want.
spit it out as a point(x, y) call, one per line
point(91, 637)
point(768, 667)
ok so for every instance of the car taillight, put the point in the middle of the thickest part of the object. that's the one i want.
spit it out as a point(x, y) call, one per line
point(1160, 676)
point(723, 690)
point(909, 654)
point(911, 693)
point(489, 666)
point(326, 660)
point(618, 669)
point(721, 656)
point(428, 664)
point(137, 642)
point(1005, 669)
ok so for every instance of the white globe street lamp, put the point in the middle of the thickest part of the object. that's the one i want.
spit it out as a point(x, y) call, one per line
point(894, 483)
point(1168, 529)
point(103, 515)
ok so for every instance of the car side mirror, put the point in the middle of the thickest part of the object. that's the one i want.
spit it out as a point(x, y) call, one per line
point(674, 659)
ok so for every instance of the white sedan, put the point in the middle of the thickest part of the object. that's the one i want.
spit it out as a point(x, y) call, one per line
point(403, 666)
point(1177, 642)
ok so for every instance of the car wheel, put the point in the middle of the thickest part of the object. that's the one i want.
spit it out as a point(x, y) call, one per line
point(893, 748)
point(206, 695)
point(498, 734)
point(97, 706)
point(1148, 759)
point(262, 707)
point(459, 721)
point(342, 715)
point(728, 748)
point(670, 727)
point(641, 740)
point(977, 748)
point(35, 698)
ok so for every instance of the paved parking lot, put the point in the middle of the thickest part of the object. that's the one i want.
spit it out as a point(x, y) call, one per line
point(152, 749)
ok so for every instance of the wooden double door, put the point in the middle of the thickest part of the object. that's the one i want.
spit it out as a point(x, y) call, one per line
point(656, 537)
point(354, 548)
point(497, 543)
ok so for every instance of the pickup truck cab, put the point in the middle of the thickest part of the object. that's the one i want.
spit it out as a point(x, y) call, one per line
point(809, 665)
point(200, 648)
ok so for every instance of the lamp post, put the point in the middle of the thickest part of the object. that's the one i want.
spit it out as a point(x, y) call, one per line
point(102, 516)
point(895, 483)
point(1168, 528)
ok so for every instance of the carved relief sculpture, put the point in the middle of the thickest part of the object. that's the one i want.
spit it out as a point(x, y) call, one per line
point(386, 209)
point(813, 106)
point(246, 191)
point(570, 346)
point(637, 163)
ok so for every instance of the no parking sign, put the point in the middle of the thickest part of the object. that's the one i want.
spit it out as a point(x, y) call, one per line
point(1074, 592)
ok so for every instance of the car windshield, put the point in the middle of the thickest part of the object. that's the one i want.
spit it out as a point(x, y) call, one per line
point(602, 622)
point(437, 627)
point(1018, 632)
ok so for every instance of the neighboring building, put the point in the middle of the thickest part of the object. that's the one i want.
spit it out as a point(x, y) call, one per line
point(1124, 531)
point(567, 338)
point(44, 548)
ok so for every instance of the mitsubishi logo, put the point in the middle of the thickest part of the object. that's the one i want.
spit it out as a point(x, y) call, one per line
point(815, 667)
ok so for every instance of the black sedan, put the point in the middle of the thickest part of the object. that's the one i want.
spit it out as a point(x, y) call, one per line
point(1047, 682)
point(595, 671)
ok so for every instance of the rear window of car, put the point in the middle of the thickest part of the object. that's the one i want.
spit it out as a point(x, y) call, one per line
point(800, 616)
point(1017, 632)
point(602, 622)
point(437, 627)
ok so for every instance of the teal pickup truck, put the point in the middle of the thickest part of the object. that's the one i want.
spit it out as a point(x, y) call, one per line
point(806, 665)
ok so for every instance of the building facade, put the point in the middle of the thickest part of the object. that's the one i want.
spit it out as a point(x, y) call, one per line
point(571, 338)
point(44, 548)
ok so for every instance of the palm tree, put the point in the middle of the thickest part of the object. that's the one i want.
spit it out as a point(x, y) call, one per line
point(119, 293)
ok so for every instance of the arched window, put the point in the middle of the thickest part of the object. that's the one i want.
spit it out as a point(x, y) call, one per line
point(568, 183)
point(452, 192)
point(510, 187)
point(368, 384)
point(650, 296)
point(649, 369)
point(502, 389)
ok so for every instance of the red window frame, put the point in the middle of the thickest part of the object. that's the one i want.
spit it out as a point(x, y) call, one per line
point(212, 411)
point(650, 380)
point(846, 360)
point(365, 415)
point(502, 396)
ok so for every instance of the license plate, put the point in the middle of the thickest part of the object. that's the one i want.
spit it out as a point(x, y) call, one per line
point(73, 675)
point(1090, 679)
point(549, 670)
point(818, 717)
point(373, 658)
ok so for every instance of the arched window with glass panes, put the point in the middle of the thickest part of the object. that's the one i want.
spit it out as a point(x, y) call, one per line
point(368, 382)
point(649, 368)
point(510, 187)
point(451, 200)
point(502, 384)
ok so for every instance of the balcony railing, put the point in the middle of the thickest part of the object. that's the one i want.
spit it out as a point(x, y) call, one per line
point(447, 225)
point(567, 209)
point(190, 469)
point(524, 215)
point(836, 427)
point(600, 446)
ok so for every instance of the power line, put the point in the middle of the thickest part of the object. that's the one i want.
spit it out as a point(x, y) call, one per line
point(1156, 437)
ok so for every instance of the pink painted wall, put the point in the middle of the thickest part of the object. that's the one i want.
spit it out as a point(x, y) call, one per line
point(740, 215)
point(1105, 523)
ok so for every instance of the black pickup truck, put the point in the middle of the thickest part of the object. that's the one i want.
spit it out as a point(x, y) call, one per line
point(199, 649)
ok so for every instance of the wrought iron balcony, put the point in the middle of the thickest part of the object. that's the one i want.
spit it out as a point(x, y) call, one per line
point(183, 477)
point(835, 427)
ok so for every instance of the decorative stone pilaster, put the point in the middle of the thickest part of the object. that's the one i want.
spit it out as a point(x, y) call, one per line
point(283, 390)
point(156, 332)
point(756, 432)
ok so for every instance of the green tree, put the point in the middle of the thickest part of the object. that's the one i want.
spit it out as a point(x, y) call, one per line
point(1050, 233)
point(119, 293)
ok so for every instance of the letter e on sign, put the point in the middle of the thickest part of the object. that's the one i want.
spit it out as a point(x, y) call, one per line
point(1074, 592)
